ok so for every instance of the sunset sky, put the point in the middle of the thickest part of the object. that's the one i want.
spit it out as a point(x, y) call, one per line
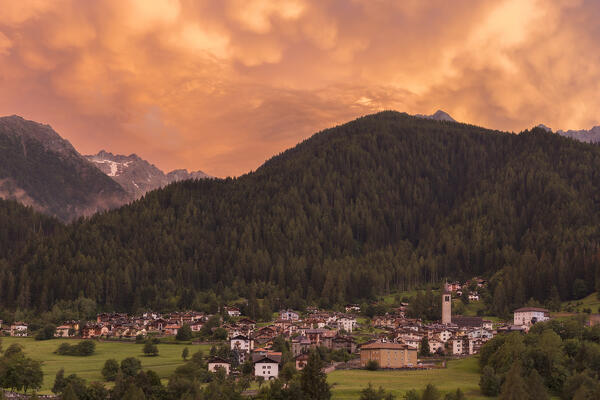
point(223, 85)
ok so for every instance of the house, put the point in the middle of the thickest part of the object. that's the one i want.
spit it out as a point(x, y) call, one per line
point(473, 297)
point(289, 315)
point(214, 363)
point(343, 343)
point(300, 344)
point(388, 355)
point(242, 343)
point(530, 315)
point(488, 325)
point(480, 333)
point(459, 347)
point(435, 346)
point(172, 329)
point(266, 365)
point(94, 330)
point(444, 335)
point(196, 325)
point(63, 331)
point(301, 361)
point(352, 308)
point(346, 323)
point(467, 322)
point(18, 329)
point(156, 325)
point(247, 323)
point(233, 311)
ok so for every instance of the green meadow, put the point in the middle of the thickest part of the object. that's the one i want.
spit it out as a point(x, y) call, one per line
point(90, 367)
point(463, 374)
point(590, 302)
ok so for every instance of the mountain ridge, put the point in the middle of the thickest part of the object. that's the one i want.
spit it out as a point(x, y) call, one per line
point(42, 170)
point(382, 203)
point(136, 175)
point(583, 135)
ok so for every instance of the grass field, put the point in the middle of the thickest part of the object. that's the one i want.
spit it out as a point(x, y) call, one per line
point(463, 374)
point(590, 301)
point(89, 367)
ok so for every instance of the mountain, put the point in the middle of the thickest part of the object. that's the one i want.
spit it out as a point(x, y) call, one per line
point(138, 176)
point(588, 136)
point(386, 202)
point(439, 115)
point(40, 169)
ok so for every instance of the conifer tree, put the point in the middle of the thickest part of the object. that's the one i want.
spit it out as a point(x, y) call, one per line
point(514, 387)
point(313, 380)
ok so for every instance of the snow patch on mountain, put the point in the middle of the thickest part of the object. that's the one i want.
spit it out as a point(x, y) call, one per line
point(136, 175)
point(439, 115)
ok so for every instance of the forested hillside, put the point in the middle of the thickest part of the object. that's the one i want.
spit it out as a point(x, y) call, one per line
point(21, 230)
point(385, 202)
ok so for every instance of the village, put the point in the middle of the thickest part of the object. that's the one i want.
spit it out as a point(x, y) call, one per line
point(390, 341)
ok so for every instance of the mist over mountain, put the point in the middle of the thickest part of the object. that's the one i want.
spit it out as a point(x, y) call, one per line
point(136, 175)
point(40, 169)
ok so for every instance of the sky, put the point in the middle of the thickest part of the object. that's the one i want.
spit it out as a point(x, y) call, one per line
point(223, 85)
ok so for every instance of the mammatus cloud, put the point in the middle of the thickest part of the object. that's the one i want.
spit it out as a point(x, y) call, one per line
point(223, 85)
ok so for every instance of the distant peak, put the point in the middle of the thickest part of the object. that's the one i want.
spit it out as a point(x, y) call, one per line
point(544, 127)
point(439, 115)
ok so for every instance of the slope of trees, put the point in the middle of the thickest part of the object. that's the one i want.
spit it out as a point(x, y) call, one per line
point(555, 357)
point(385, 202)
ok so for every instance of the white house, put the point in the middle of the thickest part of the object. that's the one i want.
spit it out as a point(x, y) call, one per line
point(488, 325)
point(346, 323)
point(62, 331)
point(458, 347)
point(214, 363)
point(352, 308)
point(267, 365)
point(289, 315)
point(474, 297)
point(18, 329)
point(480, 333)
point(242, 343)
point(530, 315)
point(233, 311)
point(444, 335)
point(435, 345)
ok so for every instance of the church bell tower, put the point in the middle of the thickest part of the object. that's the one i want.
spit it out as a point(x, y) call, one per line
point(446, 306)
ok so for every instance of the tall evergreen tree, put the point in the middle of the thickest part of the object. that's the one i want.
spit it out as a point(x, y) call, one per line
point(514, 387)
point(313, 380)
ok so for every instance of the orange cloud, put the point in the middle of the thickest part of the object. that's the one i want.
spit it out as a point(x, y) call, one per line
point(223, 85)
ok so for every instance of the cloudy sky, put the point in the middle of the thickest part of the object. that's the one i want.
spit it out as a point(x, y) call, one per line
point(222, 85)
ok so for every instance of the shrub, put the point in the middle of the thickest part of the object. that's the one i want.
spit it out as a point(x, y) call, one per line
point(46, 333)
point(131, 366)
point(372, 365)
point(184, 333)
point(150, 349)
point(110, 369)
point(489, 383)
point(83, 348)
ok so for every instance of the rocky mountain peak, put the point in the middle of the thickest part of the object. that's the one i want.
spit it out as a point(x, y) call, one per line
point(439, 115)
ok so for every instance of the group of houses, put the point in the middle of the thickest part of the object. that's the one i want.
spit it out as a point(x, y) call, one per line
point(394, 341)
